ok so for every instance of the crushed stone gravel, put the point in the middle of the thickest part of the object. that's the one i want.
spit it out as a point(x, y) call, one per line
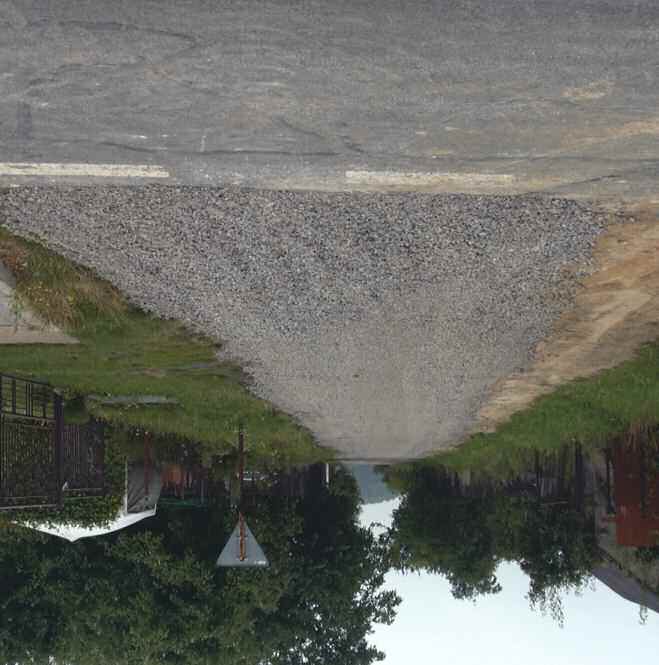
point(380, 321)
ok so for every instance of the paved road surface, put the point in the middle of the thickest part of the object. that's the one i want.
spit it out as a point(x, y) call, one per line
point(545, 95)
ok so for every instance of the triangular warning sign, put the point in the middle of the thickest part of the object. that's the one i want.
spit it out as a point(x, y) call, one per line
point(242, 549)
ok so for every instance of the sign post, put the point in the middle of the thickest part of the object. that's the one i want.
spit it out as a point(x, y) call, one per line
point(242, 550)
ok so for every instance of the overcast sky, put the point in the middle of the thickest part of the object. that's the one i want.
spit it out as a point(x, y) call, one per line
point(600, 627)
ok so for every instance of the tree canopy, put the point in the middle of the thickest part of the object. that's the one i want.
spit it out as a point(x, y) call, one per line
point(464, 535)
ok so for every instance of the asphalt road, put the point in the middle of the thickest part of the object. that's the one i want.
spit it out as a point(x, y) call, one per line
point(545, 95)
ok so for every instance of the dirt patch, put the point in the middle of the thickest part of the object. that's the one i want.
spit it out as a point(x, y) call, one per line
point(594, 90)
point(616, 311)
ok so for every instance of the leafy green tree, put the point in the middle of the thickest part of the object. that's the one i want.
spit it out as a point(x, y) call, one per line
point(335, 596)
point(441, 527)
point(439, 530)
point(557, 549)
point(112, 600)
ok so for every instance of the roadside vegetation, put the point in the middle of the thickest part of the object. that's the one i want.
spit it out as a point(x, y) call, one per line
point(614, 403)
point(622, 402)
point(90, 511)
point(152, 594)
point(465, 534)
point(126, 353)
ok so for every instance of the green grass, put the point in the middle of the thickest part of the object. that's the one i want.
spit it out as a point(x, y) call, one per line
point(591, 411)
point(59, 291)
point(124, 351)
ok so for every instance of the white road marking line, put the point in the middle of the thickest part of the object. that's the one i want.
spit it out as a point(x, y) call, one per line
point(82, 170)
point(430, 178)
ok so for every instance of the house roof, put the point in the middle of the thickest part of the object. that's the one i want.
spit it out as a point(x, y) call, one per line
point(626, 586)
point(73, 533)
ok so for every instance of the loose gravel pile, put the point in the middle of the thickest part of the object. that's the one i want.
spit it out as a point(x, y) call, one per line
point(380, 320)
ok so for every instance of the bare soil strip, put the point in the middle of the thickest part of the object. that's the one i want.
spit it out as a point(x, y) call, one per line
point(616, 311)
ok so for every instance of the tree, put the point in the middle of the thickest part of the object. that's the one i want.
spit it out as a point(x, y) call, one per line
point(557, 549)
point(438, 529)
point(335, 597)
point(463, 534)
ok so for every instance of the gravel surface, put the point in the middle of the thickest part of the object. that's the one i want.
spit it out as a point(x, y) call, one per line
point(380, 320)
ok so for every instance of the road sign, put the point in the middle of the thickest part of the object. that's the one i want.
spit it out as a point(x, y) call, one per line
point(242, 550)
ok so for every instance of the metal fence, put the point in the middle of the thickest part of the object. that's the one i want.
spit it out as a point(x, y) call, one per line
point(83, 456)
point(42, 459)
point(28, 465)
point(26, 398)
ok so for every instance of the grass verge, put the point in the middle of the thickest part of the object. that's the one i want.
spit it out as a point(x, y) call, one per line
point(591, 411)
point(125, 352)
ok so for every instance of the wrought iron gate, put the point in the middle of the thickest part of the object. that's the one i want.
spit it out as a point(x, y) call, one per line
point(43, 460)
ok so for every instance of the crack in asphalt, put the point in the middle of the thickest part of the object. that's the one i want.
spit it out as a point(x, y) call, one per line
point(219, 151)
point(107, 26)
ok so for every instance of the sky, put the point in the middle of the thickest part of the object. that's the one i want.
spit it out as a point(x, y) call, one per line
point(600, 627)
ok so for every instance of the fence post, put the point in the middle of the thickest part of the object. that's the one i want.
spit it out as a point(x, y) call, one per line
point(2, 451)
point(100, 432)
point(241, 459)
point(59, 445)
point(579, 473)
point(642, 478)
point(610, 509)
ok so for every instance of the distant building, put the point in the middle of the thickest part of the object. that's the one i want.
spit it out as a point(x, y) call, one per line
point(636, 492)
point(626, 586)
